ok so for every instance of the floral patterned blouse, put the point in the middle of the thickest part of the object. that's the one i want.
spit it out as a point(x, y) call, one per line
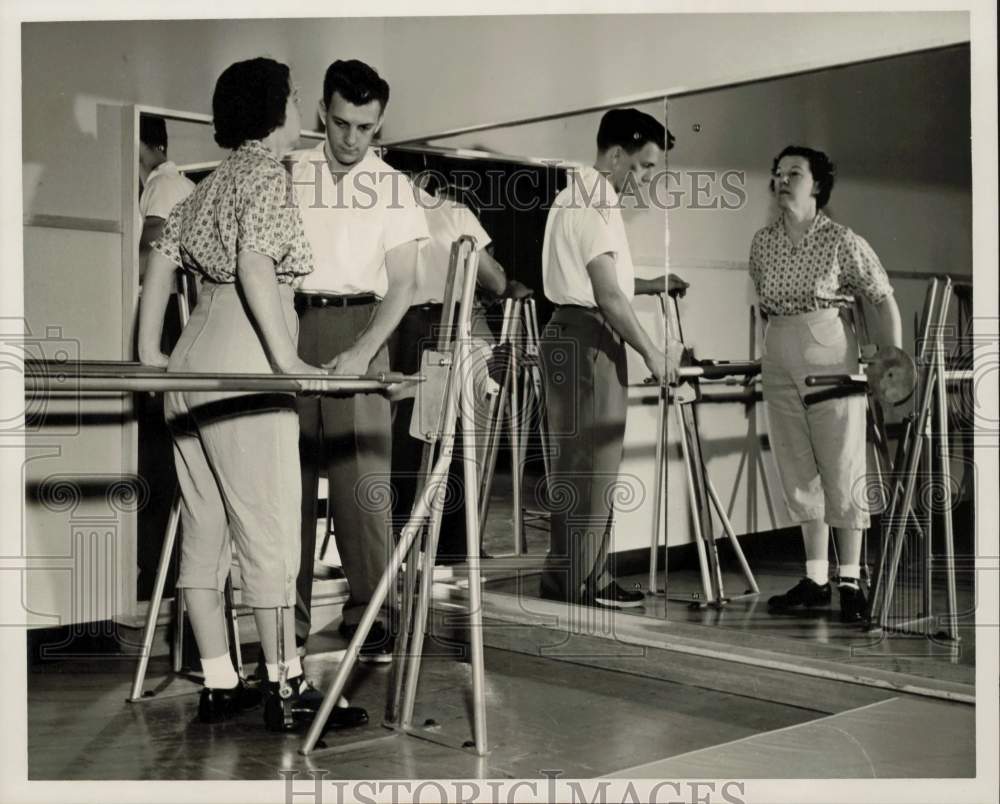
point(828, 268)
point(244, 205)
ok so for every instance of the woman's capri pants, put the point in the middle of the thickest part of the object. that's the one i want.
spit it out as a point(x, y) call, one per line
point(819, 449)
point(237, 457)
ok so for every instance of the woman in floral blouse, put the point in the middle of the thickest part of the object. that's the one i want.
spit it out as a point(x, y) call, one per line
point(237, 454)
point(808, 270)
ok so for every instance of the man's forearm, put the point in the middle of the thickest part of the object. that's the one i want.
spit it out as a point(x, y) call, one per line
point(387, 317)
point(490, 274)
point(644, 287)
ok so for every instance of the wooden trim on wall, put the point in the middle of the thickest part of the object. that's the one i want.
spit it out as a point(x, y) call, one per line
point(74, 223)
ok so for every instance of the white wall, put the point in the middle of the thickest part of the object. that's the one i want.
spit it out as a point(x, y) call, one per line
point(458, 71)
point(898, 130)
point(69, 68)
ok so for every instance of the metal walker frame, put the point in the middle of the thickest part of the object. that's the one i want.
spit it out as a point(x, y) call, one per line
point(702, 495)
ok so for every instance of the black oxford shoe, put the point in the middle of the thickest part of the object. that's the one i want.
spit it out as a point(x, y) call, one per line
point(216, 705)
point(300, 707)
point(853, 605)
point(806, 593)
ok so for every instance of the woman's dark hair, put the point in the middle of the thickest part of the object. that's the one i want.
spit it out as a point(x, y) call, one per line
point(822, 169)
point(249, 101)
point(357, 83)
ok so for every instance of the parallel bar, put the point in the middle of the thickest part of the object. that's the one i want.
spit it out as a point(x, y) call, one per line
point(154, 380)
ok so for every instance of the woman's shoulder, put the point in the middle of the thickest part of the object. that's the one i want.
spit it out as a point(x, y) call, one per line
point(766, 231)
point(841, 231)
point(845, 237)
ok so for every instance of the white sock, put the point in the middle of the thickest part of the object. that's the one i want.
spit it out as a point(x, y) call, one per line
point(219, 672)
point(294, 669)
point(849, 574)
point(818, 571)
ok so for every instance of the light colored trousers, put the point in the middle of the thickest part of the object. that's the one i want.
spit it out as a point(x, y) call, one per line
point(819, 449)
point(237, 457)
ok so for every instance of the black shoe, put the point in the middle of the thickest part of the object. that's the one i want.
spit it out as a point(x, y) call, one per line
point(853, 604)
point(585, 598)
point(300, 708)
point(378, 645)
point(806, 593)
point(216, 705)
point(614, 595)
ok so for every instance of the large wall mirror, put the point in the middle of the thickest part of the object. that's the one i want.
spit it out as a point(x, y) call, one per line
point(898, 130)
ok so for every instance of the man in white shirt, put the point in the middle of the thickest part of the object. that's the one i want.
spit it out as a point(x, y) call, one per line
point(163, 187)
point(588, 274)
point(365, 229)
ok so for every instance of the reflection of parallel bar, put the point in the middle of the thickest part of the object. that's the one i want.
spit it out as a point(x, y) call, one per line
point(716, 369)
point(710, 370)
point(860, 381)
point(43, 377)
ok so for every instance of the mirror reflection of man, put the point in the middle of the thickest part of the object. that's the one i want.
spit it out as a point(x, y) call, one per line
point(588, 274)
point(447, 220)
point(365, 229)
point(163, 186)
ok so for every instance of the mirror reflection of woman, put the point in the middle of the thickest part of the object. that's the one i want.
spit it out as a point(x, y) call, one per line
point(808, 271)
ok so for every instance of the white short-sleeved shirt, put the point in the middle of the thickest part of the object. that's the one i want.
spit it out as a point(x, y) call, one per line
point(163, 190)
point(447, 220)
point(585, 221)
point(351, 223)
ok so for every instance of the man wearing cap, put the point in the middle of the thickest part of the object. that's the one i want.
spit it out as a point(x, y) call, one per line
point(588, 274)
point(365, 229)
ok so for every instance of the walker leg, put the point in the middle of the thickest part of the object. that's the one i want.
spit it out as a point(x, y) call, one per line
point(156, 600)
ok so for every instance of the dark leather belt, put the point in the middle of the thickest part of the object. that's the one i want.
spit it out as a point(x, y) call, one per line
point(577, 307)
point(333, 299)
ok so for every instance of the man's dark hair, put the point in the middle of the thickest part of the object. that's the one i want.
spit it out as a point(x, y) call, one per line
point(356, 83)
point(249, 101)
point(823, 170)
point(153, 131)
point(631, 129)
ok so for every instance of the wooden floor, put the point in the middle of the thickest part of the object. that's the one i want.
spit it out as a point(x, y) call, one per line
point(817, 634)
point(665, 691)
point(887, 740)
point(542, 715)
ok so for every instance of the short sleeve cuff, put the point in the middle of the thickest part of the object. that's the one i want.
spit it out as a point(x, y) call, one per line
point(168, 243)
